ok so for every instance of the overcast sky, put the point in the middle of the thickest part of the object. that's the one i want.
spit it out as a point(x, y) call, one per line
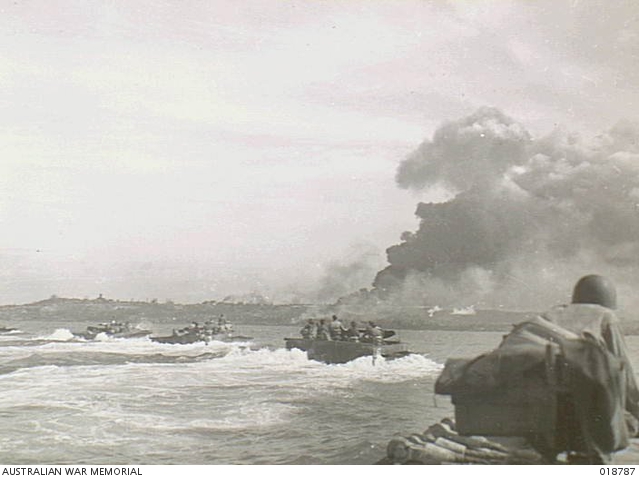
point(187, 150)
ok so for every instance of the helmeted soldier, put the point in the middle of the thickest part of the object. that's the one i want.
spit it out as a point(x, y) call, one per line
point(308, 331)
point(591, 315)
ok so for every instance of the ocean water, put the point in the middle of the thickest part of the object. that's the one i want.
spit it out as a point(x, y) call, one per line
point(134, 401)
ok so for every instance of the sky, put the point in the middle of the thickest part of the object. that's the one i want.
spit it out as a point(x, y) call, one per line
point(197, 149)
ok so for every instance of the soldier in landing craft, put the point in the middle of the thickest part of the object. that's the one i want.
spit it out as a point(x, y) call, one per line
point(373, 333)
point(352, 334)
point(322, 331)
point(336, 329)
point(223, 325)
point(308, 331)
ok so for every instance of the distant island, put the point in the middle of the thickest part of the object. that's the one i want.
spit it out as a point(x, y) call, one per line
point(388, 315)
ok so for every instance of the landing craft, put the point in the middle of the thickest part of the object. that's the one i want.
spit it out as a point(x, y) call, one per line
point(343, 351)
point(337, 352)
point(195, 334)
point(113, 329)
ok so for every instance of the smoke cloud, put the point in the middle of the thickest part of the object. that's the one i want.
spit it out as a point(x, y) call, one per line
point(342, 277)
point(527, 219)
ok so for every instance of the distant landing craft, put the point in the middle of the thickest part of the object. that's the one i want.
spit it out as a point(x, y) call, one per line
point(223, 331)
point(114, 329)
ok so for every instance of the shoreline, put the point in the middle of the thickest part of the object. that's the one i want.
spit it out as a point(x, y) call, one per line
point(388, 316)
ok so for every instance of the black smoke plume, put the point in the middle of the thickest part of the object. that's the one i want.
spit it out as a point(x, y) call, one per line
point(527, 219)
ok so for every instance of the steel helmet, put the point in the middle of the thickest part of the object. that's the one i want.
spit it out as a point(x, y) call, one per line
point(595, 289)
